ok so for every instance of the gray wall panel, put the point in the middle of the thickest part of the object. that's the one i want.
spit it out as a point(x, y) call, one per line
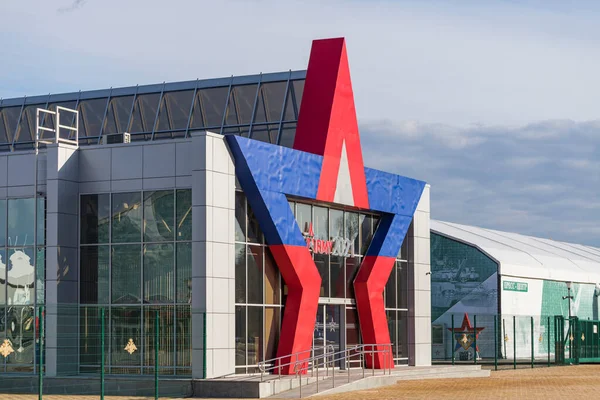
point(3, 171)
point(94, 164)
point(183, 163)
point(126, 185)
point(159, 160)
point(21, 169)
point(126, 162)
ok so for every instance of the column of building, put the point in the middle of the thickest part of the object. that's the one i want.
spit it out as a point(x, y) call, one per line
point(213, 257)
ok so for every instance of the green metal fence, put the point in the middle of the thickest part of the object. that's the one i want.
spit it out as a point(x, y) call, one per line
point(88, 350)
point(513, 341)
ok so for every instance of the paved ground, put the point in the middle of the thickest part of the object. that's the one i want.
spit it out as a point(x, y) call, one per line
point(538, 383)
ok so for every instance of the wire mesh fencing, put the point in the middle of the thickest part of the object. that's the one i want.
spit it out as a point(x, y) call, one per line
point(513, 341)
point(90, 350)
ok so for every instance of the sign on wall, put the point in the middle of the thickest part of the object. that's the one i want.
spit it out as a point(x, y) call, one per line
point(515, 286)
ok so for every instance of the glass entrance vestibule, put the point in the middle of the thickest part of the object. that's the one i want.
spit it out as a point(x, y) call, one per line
point(343, 237)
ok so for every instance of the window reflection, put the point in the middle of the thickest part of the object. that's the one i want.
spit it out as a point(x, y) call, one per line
point(126, 274)
point(126, 217)
point(184, 273)
point(95, 218)
point(2, 223)
point(159, 273)
point(21, 276)
point(21, 222)
point(2, 282)
point(94, 274)
point(184, 214)
point(158, 216)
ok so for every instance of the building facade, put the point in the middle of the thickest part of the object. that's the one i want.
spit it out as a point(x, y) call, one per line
point(251, 232)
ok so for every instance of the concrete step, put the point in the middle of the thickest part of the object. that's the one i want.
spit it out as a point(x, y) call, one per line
point(357, 382)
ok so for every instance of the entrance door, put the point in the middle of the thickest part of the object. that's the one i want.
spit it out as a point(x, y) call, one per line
point(329, 334)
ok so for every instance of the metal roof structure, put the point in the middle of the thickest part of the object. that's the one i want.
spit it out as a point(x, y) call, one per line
point(263, 107)
point(526, 256)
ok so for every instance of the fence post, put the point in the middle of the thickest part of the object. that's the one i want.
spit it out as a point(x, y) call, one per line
point(41, 356)
point(549, 342)
point(475, 339)
point(495, 343)
point(532, 347)
point(156, 338)
point(452, 341)
point(515, 342)
point(102, 361)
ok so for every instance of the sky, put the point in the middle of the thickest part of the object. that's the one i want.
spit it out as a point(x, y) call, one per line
point(494, 103)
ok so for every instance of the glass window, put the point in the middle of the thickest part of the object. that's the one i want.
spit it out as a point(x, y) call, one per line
point(288, 133)
point(11, 119)
point(240, 217)
point(174, 110)
point(255, 335)
point(272, 327)
point(158, 216)
point(240, 273)
point(272, 280)
point(126, 217)
point(126, 324)
point(298, 91)
point(21, 276)
point(41, 275)
point(392, 326)
point(322, 263)
point(254, 232)
point(159, 273)
point(183, 351)
point(352, 229)
point(244, 97)
point(3, 263)
point(352, 265)
point(240, 335)
point(212, 106)
point(27, 124)
point(41, 220)
point(402, 334)
point(390, 290)
point(403, 254)
point(337, 223)
point(338, 283)
point(303, 216)
point(270, 102)
point(184, 273)
point(20, 330)
point(118, 114)
point(164, 317)
point(321, 223)
point(90, 349)
point(144, 113)
point(91, 115)
point(402, 271)
point(265, 133)
point(126, 274)
point(21, 222)
point(184, 214)
point(95, 218)
point(255, 274)
point(94, 275)
point(2, 223)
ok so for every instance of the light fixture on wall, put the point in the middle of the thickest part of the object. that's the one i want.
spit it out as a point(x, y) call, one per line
point(428, 273)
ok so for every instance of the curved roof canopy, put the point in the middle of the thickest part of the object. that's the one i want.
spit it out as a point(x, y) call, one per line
point(527, 256)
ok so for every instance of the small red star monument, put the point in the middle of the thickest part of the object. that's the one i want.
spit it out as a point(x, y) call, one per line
point(466, 335)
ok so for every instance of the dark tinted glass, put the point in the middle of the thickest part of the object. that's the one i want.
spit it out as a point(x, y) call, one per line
point(10, 120)
point(298, 91)
point(118, 114)
point(159, 208)
point(255, 335)
point(288, 133)
point(26, 130)
point(144, 113)
point(174, 110)
point(265, 133)
point(240, 217)
point(352, 265)
point(183, 268)
point(3, 263)
point(322, 263)
point(390, 290)
point(255, 274)
point(212, 106)
point(159, 273)
point(91, 113)
point(126, 274)
point(184, 214)
point(21, 222)
point(240, 335)
point(94, 274)
point(240, 273)
point(126, 217)
point(402, 276)
point(338, 283)
point(2, 223)
point(126, 325)
point(270, 102)
point(272, 281)
point(243, 97)
point(95, 218)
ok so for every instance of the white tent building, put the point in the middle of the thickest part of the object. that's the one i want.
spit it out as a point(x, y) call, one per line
point(483, 272)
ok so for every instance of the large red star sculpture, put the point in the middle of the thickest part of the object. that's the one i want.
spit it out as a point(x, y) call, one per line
point(464, 335)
